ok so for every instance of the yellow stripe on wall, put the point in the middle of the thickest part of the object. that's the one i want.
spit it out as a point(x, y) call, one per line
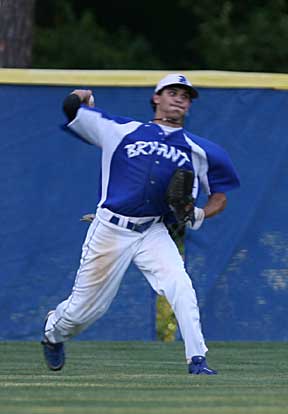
point(217, 79)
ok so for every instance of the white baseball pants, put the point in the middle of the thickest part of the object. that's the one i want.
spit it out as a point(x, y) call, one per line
point(106, 254)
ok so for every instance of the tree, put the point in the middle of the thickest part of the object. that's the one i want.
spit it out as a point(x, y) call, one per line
point(250, 35)
point(246, 35)
point(16, 31)
point(77, 41)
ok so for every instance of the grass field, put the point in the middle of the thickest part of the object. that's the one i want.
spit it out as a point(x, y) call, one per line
point(144, 378)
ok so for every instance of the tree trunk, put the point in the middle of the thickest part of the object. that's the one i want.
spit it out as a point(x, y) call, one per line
point(16, 29)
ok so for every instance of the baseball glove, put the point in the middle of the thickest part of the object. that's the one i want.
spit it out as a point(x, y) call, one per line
point(179, 196)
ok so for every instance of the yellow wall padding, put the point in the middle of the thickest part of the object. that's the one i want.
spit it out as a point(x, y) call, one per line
point(215, 79)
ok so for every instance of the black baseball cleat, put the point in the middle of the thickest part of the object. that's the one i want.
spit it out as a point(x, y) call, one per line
point(198, 366)
point(54, 354)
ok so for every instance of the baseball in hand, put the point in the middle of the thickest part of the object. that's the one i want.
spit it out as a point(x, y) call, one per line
point(91, 101)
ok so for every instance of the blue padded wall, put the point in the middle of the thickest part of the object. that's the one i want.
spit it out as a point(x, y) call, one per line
point(48, 179)
point(239, 259)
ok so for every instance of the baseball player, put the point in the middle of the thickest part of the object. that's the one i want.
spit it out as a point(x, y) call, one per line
point(138, 161)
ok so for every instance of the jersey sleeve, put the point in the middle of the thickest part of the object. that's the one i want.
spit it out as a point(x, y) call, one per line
point(221, 174)
point(214, 168)
point(94, 125)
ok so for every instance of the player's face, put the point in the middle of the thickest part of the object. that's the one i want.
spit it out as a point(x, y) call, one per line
point(173, 102)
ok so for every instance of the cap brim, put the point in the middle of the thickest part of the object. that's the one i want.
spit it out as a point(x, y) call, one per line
point(192, 92)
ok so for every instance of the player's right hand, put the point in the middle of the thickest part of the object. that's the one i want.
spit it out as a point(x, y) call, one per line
point(84, 95)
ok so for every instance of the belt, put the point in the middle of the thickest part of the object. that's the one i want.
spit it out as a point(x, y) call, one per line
point(140, 228)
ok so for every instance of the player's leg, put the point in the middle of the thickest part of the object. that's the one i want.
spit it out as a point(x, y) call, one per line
point(106, 254)
point(159, 259)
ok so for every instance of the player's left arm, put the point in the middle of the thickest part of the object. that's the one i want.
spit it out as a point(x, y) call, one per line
point(215, 204)
point(220, 177)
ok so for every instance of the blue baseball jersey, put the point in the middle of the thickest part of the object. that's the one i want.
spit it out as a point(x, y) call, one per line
point(138, 160)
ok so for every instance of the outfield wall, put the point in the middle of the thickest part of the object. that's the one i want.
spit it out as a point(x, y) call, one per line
point(238, 261)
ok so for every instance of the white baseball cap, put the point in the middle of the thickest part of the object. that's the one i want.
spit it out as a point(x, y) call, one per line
point(176, 79)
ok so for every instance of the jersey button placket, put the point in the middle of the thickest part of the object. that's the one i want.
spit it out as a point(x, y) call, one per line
point(162, 135)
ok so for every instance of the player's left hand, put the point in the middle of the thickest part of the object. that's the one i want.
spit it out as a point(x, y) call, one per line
point(198, 218)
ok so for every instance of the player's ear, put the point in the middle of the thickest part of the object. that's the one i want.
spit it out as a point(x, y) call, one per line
point(156, 99)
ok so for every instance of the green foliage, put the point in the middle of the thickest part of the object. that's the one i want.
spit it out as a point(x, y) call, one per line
point(250, 35)
point(244, 36)
point(166, 324)
point(83, 44)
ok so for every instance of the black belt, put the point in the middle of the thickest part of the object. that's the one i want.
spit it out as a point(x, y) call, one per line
point(140, 228)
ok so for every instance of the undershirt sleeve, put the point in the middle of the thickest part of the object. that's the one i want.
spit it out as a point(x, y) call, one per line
point(71, 105)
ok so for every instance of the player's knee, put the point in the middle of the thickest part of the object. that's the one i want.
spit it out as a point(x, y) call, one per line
point(180, 281)
point(179, 288)
point(86, 315)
